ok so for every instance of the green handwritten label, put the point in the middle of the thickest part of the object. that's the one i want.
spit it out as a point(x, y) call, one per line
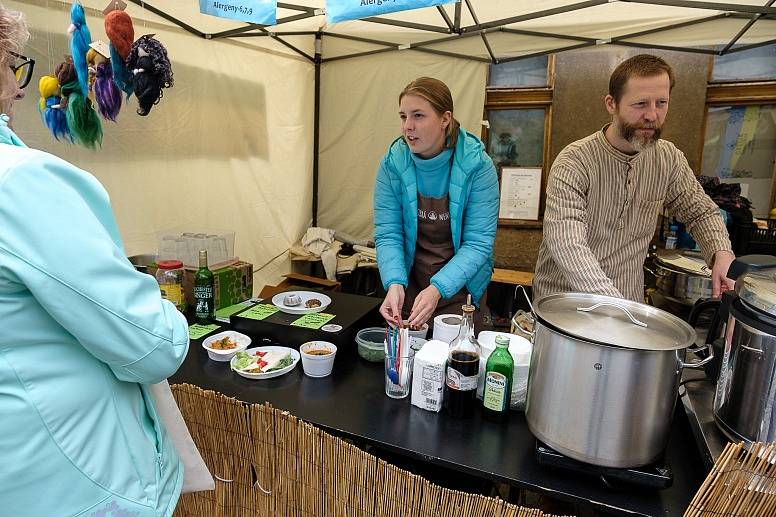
point(259, 312)
point(197, 331)
point(313, 321)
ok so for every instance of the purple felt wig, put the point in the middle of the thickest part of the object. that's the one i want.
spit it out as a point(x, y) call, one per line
point(106, 93)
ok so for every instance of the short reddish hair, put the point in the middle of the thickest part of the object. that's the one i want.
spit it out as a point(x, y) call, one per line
point(642, 65)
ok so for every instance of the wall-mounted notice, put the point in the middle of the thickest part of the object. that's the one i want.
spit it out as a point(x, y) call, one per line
point(520, 193)
point(262, 12)
point(341, 10)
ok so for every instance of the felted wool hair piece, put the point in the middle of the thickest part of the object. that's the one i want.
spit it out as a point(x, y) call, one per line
point(79, 45)
point(53, 115)
point(106, 93)
point(65, 71)
point(120, 31)
point(152, 72)
point(82, 120)
point(121, 74)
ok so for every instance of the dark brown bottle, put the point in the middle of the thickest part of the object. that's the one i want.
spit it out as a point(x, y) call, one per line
point(463, 368)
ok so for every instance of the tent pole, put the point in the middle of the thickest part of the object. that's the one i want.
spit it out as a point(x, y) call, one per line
point(316, 122)
point(446, 18)
point(743, 30)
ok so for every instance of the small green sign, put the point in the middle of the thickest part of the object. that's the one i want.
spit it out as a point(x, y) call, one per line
point(313, 321)
point(259, 312)
point(197, 331)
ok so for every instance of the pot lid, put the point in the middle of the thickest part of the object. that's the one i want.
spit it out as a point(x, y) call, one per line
point(758, 289)
point(614, 321)
point(684, 262)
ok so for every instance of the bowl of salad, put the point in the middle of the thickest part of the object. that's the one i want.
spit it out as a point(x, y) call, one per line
point(264, 362)
point(224, 345)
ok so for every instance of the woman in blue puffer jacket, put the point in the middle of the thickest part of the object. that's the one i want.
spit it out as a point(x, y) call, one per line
point(435, 210)
point(83, 335)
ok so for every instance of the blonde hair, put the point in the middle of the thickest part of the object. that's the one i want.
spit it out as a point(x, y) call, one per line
point(13, 33)
point(13, 36)
point(438, 95)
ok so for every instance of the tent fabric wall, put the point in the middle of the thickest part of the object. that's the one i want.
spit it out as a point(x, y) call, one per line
point(360, 119)
point(229, 146)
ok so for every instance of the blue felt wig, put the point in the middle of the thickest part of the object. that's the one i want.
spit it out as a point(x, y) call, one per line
point(79, 45)
point(121, 74)
point(56, 119)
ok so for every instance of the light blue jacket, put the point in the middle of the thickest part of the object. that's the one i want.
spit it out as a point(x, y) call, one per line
point(474, 200)
point(81, 333)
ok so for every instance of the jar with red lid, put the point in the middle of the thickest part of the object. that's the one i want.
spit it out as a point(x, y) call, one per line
point(169, 275)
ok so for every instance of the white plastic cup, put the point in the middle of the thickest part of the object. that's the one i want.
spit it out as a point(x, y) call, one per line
point(316, 364)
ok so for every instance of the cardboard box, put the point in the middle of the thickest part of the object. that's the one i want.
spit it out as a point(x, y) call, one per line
point(428, 376)
point(233, 284)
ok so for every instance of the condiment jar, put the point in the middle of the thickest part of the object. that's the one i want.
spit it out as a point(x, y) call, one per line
point(169, 275)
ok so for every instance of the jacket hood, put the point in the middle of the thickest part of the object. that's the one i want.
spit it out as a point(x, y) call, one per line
point(7, 136)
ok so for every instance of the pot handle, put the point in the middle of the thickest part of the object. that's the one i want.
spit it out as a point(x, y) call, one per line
point(699, 364)
point(612, 304)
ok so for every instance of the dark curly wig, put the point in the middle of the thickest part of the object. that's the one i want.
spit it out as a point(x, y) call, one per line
point(151, 70)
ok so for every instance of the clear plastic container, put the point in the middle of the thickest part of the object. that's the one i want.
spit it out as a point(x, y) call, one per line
point(183, 245)
point(371, 344)
point(169, 276)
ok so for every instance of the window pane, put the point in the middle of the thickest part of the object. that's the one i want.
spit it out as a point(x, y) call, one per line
point(516, 137)
point(530, 72)
point(749, 65)
point(740, 147)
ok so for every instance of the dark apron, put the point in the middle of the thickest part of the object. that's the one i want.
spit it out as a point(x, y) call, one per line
point(433, 249)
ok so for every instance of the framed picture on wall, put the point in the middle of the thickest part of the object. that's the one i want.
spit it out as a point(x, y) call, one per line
point(520, 193)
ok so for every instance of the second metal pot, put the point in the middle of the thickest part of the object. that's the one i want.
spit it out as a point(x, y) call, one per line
point(604, 377)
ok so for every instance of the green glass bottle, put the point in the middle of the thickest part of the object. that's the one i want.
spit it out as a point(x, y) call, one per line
point(498, 381)
point(204, 292)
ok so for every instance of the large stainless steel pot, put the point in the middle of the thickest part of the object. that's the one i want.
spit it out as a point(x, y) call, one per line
point(745, 399)
point(604, 377)
point(681, 279)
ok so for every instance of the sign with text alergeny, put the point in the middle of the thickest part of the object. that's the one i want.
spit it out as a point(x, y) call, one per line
point(341, 10)
point(262, 12)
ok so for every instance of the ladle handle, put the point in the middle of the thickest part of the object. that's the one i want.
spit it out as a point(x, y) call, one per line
point(612, 304)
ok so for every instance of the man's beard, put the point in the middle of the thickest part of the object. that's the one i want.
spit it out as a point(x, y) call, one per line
point(638, 142)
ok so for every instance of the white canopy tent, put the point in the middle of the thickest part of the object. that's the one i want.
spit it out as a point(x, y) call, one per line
point(268, 129)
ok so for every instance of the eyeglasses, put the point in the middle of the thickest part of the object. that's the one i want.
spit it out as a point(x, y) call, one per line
point(22, 69)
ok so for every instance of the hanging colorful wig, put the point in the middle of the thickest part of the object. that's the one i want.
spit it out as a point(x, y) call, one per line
point(79, 45)
point(82, 120)
point(106, 93)
point(121, 33)
point(151, 70)
point(51, 111)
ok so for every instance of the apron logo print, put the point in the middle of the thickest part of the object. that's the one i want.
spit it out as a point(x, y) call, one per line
point(432, 216)
point(598, 366)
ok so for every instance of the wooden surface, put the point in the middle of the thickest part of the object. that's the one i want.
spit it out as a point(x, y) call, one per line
point(509, 276)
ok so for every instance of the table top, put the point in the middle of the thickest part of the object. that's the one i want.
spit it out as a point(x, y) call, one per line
point(477, 446)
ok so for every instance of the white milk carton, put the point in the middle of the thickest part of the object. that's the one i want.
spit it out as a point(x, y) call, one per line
point(428, 376)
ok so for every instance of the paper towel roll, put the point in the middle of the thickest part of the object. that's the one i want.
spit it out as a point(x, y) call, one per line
point(446, 327)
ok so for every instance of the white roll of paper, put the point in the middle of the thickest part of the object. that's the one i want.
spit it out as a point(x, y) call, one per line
point(446, 327)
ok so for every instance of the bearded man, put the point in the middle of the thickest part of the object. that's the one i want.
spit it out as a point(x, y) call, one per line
point(605, 191)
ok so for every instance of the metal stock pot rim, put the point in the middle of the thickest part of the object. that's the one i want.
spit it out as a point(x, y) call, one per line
point(613, 321)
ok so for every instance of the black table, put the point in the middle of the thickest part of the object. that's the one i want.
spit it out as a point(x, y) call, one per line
point(352, 403)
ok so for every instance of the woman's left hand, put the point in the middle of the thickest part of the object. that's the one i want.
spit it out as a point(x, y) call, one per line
point(424, 306)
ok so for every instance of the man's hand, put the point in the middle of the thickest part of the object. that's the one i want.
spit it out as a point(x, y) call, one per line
point(425, 305)
point(391, 307)
point(719, 280)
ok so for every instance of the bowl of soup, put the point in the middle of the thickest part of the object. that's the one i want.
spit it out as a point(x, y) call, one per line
point(317, 358)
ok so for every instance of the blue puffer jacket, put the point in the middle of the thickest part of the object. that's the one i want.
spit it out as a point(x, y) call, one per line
point(474, 200)
point(82, 334)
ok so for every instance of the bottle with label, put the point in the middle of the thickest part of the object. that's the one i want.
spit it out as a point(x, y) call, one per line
point(672, 235)
point(498, 381)
point(169, 275)
point(204, 292)
point(463, 367)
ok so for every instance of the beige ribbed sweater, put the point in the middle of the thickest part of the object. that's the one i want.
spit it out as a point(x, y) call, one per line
point(602, 210)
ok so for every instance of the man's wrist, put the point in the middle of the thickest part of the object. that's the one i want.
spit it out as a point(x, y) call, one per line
point(729, 253)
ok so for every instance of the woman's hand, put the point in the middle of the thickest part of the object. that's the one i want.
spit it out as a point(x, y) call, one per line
point(391, 307)
point(425, 305)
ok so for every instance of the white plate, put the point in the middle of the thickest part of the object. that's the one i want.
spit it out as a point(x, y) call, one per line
point(277, 301)
point(269, 375)
point(242, 341)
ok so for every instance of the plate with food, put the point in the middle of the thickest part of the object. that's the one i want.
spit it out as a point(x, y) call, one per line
point(301, 302)
point(264, 362)
point(224, 345)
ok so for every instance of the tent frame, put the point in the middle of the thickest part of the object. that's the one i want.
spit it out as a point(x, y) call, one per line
point(452, 30)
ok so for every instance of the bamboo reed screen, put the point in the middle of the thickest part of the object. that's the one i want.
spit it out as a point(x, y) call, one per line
point(268, 463)
point(741, 483)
